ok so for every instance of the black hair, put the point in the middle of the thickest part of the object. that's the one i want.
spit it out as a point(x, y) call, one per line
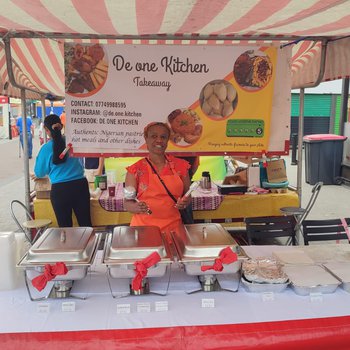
point(59, 142)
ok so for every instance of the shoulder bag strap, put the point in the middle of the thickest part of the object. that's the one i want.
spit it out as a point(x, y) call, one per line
point(161, 180)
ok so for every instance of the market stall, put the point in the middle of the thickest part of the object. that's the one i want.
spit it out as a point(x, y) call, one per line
point(36, 63)
point(36, 33)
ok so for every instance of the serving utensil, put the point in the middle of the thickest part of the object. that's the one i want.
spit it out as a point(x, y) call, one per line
point(193, 187)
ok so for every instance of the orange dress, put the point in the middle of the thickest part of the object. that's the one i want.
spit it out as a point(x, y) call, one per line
point(150, 190)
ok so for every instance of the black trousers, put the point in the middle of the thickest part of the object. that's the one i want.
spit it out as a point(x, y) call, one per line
point(71, 196)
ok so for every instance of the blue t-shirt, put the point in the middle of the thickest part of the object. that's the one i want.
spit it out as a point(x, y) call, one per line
point(20, 126)
point(71, 169)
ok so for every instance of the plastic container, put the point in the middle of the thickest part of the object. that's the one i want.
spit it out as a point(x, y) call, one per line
point(323, 158)
point(101, 182)
point(8, 255)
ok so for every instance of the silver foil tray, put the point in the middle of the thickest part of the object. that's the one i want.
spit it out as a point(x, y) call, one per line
point(324, 289)
point(341, 270)
point(129, 244)
point(69, 244)
point(306, 279)
point(263, 287)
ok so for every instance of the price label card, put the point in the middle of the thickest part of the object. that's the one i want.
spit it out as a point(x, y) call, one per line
point(143, 307)
point(123, 308)
point(68, 306)
point(268, 296)
point(316, 297)
point(43, 308)
point(161, 306)
point(208, 303)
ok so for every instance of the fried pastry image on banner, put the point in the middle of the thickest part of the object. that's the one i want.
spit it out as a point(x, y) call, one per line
point(218, 99)
point(253, 70)
point(186, 127)
point(86, 69)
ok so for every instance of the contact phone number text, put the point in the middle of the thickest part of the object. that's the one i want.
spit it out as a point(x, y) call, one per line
point(108, 104)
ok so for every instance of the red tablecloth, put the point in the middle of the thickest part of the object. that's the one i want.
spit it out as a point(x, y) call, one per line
point(318, 334)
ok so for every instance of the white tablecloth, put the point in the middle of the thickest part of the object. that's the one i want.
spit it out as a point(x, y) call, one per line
point(99, 311)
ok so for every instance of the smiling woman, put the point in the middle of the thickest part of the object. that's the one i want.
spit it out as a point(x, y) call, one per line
point(160, 181)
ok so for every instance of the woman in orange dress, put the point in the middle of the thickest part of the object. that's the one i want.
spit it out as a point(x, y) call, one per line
point(151, 193)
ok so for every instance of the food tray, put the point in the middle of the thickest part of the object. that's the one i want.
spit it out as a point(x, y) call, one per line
point(134, 243)
point(129, 244)
point(67, 244)
point(263, 271)
point(340, 270)
point(292, 256)
point(263, 287)
point(201, 244)
point(330, 252)
point(306, 279)
point(202, 241)
point(76, 248)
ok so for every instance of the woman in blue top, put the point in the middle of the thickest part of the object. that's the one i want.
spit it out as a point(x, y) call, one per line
point(69, 187)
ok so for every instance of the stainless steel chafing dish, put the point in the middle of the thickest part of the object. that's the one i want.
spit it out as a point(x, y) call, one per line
point(126, 245)
point(200, 244)
point(74, 246)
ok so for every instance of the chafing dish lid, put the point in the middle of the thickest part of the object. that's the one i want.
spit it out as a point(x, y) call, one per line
point(202, 240)
point(134, 243)
point(68, 244)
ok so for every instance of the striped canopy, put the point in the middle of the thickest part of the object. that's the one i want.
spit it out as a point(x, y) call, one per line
point(37, 30)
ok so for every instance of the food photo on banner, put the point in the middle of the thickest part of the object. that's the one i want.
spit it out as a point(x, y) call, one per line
point(214, 99)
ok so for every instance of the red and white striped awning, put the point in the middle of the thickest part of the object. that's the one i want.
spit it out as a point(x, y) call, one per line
point(40, 61)
point(306, 62)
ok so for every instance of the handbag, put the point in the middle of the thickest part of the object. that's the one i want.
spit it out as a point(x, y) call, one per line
point(186, 214)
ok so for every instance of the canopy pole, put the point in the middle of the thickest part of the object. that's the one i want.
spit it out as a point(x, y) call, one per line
point(300, 143)
point(24, 119)
point(344, 104)
point(43, 116)
point(301, 117)
point(25, 149)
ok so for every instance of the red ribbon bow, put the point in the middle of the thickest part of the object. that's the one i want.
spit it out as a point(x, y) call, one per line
point(141, 269)
point(50, 272)
point(226, 256)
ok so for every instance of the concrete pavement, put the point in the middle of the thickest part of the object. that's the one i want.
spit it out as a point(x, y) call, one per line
point(12, 178)
point(333, 201)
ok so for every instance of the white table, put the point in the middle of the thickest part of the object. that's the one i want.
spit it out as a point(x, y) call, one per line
point(239, 312)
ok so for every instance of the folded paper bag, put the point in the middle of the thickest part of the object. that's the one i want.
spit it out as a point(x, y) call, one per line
point(226, 256)
point(50, 272)
point(276, 171)
point(141, 269)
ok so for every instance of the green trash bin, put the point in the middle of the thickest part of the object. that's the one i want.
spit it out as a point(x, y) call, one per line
point(323, 158)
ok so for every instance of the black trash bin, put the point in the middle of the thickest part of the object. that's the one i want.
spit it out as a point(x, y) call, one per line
point(323, 158)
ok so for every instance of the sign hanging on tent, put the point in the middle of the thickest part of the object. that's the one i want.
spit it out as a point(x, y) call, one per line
point(214, 98)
